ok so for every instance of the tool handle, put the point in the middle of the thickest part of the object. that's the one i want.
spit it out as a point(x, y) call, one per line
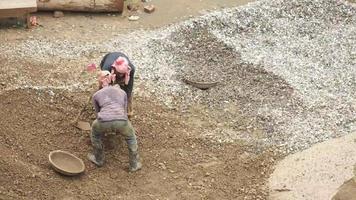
point(82, 110)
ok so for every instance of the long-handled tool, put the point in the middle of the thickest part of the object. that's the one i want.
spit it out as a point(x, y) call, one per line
point(85, 126)
point(81, 124)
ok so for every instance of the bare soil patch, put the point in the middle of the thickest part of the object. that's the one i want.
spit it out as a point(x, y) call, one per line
point(177, 165)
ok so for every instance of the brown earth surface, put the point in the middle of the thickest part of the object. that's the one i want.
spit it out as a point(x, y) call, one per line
point(177, 163)
point(347, 191)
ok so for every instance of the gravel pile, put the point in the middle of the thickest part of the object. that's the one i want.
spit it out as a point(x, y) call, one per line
point(43, 49)
point(312, 46)
point(286, 69)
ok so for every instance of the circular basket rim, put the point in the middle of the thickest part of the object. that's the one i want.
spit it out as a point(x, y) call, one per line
point(58, 169)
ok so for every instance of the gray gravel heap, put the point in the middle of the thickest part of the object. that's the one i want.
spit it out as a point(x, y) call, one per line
point(286, 70)
point(286, 67)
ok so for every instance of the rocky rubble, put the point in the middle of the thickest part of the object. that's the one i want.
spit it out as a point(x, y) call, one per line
point(286, 69)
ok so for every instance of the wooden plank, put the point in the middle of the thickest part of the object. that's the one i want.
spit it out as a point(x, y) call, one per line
point(82, 5)
point(17, 8)
point(16, 12)
point(14, 4)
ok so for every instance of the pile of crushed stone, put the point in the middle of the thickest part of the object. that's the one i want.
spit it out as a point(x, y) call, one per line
point(286, 66)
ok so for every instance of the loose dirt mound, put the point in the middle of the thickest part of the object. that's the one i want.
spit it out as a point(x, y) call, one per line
point(315, 173)
point(347, 191)
point(287, 80)
point(176, 164)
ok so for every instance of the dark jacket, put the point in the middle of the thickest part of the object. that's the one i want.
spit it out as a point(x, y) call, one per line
point(109, 59)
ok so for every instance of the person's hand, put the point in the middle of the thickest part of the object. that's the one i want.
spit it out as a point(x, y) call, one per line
point(113, 76)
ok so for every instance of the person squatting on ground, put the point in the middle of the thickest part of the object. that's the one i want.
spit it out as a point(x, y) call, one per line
point(120, 64)
point(110, 103)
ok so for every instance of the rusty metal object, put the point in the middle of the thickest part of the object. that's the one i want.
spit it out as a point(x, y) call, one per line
point(200, 85)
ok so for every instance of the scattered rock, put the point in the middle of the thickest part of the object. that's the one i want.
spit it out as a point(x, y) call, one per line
point(162, 165)
point(209, 164)
point(134, 18)
point(58, 14)
point(149, 8)
point(51, 93)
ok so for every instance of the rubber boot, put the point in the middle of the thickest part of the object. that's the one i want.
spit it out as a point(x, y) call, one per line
point(134, 158)
point(135, 163)
point(97, 157)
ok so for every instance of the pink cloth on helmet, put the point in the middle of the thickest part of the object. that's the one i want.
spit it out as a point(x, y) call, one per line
point(121, 65)
point(91, 67)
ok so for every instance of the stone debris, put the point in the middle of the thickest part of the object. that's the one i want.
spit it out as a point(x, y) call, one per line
point(58, 14)
point(134, 18)
point(286, 69)
point(149, 8)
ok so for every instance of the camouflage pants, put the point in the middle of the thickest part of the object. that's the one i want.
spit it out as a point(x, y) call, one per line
point(119, 126)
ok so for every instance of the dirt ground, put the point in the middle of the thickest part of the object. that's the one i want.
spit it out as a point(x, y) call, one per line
point(318, 172)
point(177, 164)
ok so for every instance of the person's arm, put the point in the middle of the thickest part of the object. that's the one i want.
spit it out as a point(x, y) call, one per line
point(96, 105)
point(131, 81)
point(129, 87)
point(125, 103)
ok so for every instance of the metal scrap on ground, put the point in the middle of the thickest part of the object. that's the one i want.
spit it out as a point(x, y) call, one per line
point(201, 85)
